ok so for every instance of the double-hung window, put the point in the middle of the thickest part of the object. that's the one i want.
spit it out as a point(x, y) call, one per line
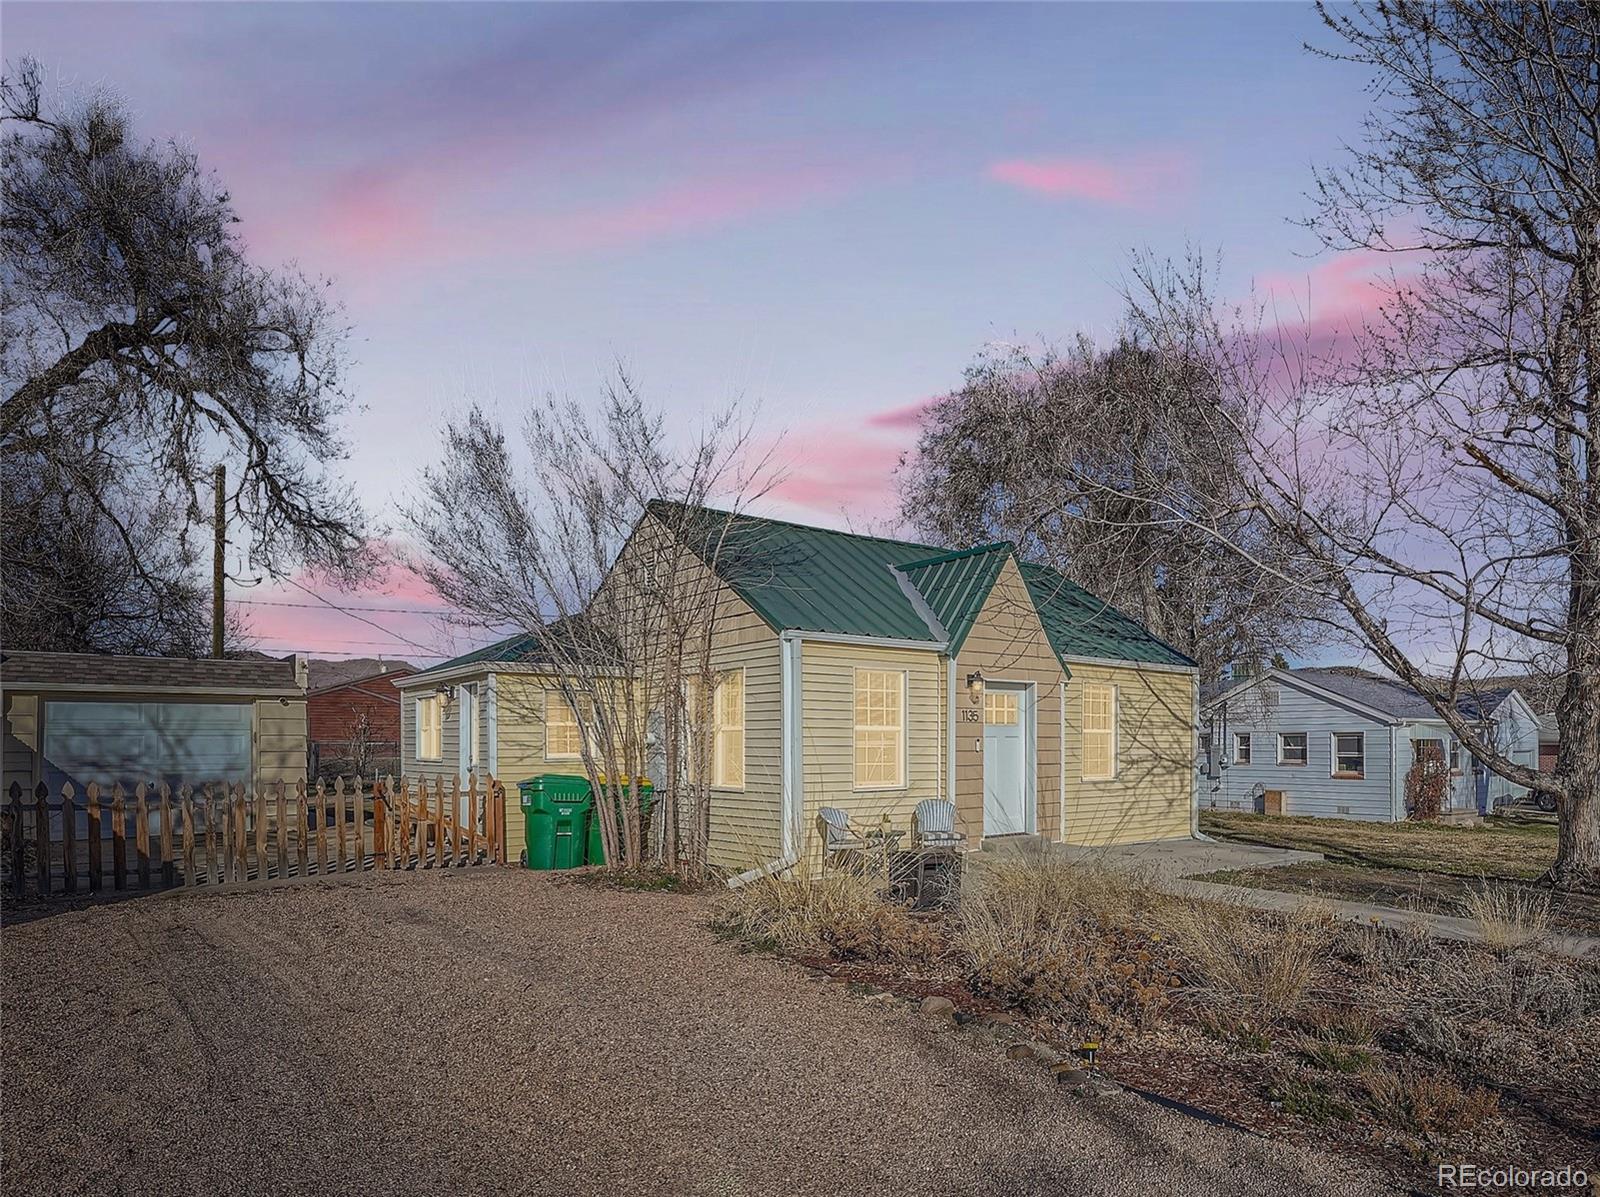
point(430, 728)
point(880, 730)
point(1099, 731)
point(1349, 754)
point(1241, 748)
point(1292, 748)
point(563, 735)
point(723, 722)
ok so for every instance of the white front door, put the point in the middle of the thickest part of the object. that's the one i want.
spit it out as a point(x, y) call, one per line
point(1006, 716)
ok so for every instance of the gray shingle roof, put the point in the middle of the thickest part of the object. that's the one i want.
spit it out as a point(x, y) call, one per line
point(1395, 698)
point(70, 671)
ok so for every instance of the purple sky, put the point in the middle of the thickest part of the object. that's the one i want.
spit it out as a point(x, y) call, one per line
point(825, 209)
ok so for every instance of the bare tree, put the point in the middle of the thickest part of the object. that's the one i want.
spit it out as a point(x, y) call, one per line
point(624, 610)
point(139, 346)
point(992, 463)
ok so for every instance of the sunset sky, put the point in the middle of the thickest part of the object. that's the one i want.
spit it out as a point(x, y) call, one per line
point(825, 210)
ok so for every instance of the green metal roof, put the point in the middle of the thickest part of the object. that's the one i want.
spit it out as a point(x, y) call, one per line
point(1080, 625)
point(806, 579)
point(800, 578)
point(956, 585)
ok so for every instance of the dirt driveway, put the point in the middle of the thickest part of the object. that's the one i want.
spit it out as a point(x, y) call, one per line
point(498, 1031)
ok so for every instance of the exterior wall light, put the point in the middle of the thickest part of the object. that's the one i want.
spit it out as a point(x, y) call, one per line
point(975, 686)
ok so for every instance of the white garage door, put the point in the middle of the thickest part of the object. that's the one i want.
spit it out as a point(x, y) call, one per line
point(146, 741)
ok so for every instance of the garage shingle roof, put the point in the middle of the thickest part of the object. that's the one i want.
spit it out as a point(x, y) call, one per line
point(68, 671)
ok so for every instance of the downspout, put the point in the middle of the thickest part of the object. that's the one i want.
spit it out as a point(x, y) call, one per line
point(491, 719)
point(790, 766)
point(950, 730)
point(1061, 762)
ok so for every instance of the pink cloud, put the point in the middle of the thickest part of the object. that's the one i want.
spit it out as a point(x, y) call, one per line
point(847, 469)
point(1139, 181)
point(1333, 300)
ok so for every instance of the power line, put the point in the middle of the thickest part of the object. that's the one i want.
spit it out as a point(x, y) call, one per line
point(343, 610)
point(356, 616)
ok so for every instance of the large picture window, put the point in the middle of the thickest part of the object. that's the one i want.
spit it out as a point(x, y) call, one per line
point(430, 728)
point(880, 729)
point(1099, 732)
point(1349, 754)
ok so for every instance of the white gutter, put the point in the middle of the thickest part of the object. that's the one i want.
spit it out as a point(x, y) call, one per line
point(1118, 663)
point(491, 712)
point(927, 646)
point(1194, 773)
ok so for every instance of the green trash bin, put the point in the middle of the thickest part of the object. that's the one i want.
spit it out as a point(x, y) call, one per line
point(597, 849)
point(554, 811)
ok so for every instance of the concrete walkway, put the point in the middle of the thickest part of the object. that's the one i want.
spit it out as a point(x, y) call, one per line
point(1172, 865)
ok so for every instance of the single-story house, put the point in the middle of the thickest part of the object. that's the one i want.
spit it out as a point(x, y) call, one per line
point(1338, 743)
point(349, 699)
point(869, 674)
point(81, 717)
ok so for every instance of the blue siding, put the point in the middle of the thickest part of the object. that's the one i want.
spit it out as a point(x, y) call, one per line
point(1515, 732)
point(1310, 789)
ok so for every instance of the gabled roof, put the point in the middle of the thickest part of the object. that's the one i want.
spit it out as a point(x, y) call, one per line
point(956, 585)
point(1081, 625)
point(799, 578)
point(1382, 696)
point(818, 580)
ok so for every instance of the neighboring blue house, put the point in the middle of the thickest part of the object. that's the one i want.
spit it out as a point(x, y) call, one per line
point(1338, 744)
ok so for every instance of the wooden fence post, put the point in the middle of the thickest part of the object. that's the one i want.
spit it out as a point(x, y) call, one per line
point(303, 847)
point(225, 820)
point(472, 820)
point(380, 816)
point(141, 833)
point(69, 838)
point(41, 837)
point(258, 809)
point(283, 831)
point(322, 829)
point(191, 874)
point(19, 853)
point(209, 802)
point(96, 874)
point(402, 839)
point(341, 816)
point(168, 869)
point(119, 838)
point(438, 823)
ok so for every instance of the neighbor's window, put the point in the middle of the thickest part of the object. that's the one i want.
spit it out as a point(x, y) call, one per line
point(1099, 732)
point(880, 729)
point(1241, 748)
point(563, 737)
point(430, 728)
point(1349, 754)
point(1291, 748)
point(728, 731)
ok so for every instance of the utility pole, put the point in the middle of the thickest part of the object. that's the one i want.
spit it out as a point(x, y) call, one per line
point(220, 522)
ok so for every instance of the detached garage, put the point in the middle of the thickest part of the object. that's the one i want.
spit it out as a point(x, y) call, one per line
point(82, 718)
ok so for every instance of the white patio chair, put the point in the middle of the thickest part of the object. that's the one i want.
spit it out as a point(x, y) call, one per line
point(839, 837)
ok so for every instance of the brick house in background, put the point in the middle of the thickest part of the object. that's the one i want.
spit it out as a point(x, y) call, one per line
point(348, 703)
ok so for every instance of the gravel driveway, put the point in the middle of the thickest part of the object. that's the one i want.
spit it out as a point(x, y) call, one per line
point(500, 1031)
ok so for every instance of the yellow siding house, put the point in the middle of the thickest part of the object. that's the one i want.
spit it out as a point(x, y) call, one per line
point(869, 674)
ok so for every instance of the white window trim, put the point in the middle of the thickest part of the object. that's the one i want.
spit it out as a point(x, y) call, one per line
point(1237, 736)
point(467, 704)
point(417, 721)
point(905, 730)
point(1116, 733)
point(1294, 764)
point(561, 756)
point(1333, 757)
point(744, 731)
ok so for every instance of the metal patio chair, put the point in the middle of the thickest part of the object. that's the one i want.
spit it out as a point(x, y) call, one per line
point(934, 838)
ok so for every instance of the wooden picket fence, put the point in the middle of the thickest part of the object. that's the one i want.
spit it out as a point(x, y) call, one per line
point(218, 834)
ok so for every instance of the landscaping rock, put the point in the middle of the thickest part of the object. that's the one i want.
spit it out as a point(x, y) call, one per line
point(939, 1007)
point(1020, 1051)
point(1068, 1073)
